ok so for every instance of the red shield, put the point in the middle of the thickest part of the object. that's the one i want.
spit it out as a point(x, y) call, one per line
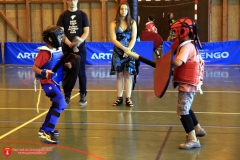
point(162, 74)
point(7, 151)
point(163, 70)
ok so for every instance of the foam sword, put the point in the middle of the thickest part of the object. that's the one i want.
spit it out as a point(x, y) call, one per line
point(163, 70)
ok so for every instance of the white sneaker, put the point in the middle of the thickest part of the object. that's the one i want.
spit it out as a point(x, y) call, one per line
point(49, 138)
point(189, 144)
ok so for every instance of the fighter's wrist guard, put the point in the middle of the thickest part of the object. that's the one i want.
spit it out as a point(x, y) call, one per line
point(44, 73)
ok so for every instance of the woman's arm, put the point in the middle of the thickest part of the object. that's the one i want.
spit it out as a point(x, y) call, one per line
point(133, 36)
point(114, 37)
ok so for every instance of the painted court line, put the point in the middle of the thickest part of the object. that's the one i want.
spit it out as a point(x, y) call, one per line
point(164, 143)
point(80, 110)
point(130, 124)
point(58, 146)
point(139, 90)
point(42, 114)
point(26, 123)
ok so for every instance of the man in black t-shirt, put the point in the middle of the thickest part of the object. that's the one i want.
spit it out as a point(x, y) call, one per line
point(76, 28)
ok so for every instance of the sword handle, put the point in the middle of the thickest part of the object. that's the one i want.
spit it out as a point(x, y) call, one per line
point(142, 59)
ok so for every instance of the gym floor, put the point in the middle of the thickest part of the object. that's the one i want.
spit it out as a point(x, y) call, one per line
point(151, 130)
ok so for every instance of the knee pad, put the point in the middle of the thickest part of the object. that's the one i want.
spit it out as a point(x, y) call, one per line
point(56, 96)
point(55, 113)
point(60, 104)
point(193, 116)
point(55, 105)
point(187, 123)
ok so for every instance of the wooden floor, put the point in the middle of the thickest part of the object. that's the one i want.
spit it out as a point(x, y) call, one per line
point(149, 131)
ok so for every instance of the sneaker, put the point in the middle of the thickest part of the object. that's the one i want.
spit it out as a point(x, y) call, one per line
point(200, 133)
point(83, 100)
point(49, 138)
point(67, 100)
point(55, 132)
point(189, 144)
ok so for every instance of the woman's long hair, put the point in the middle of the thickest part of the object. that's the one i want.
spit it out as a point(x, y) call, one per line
point(128, 18)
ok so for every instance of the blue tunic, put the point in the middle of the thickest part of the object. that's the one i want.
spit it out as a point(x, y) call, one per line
point(120, 63)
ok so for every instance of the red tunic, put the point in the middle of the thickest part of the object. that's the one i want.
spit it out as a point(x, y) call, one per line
point(42, 58)
point(150, 26)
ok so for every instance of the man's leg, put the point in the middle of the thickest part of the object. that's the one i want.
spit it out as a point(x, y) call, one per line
point(70, 76)
point(82, 80)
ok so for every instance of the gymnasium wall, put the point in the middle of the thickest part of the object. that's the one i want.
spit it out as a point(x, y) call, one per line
point(44, 13)
point(160, 9)
point(24, 20)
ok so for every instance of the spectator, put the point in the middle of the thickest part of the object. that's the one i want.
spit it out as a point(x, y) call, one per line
point(123, 33)
point(150, 26)
point(76, 27)
point(170, 22)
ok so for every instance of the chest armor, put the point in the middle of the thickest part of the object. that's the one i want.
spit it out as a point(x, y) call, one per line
point(190, 73)
point(56, 56)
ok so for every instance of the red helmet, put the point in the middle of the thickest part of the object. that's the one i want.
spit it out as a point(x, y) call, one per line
point(185, 27)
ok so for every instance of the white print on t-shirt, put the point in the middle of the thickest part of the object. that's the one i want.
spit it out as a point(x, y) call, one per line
point(73, 25)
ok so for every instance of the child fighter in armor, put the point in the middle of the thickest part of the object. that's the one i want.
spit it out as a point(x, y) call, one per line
point(48, 56)
point(188, 80)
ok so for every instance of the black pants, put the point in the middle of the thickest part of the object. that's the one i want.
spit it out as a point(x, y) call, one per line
point(78, 70)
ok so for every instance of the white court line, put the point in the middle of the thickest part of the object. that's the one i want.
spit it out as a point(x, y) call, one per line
point(26, 123)
point(17, 128)
point(139, 90)
point(133, 111)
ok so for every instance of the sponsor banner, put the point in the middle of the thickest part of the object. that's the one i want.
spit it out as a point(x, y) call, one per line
point(0, 53)
point(98, 53)
point(20, 53)
point(216, 52)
